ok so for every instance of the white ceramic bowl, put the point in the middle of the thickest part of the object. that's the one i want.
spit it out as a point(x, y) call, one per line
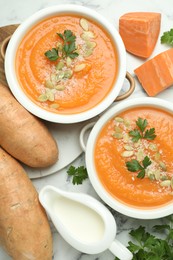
point(90, 147)
point(22, 31)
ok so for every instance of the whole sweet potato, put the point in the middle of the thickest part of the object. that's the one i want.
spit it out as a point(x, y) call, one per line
point(24, 227)
point(23, 135)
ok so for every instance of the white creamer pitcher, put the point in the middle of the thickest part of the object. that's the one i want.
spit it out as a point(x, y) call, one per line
point(84, 222)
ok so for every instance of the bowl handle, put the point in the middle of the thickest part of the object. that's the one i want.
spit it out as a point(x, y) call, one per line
point(82, 136)
point(120, 251)
point(4, 46)
point(131, 80)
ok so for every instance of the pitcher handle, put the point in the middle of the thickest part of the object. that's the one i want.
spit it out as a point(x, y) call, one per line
point(120, 251)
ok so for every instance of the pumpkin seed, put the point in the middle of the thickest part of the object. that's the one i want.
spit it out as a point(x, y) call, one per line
point(68, 61)
point(126, 138)
point(84, 24)
point(60, 65)
point(68, 74)
point(79, 67)
point(119, 119)
point(152, 177)
point(127, 153)
point(118, 129)
point(88, 52)
point(157, 175)
point(43, 97)
point(164, 177)
point(127, 123)
point(118, 135)
point(54, 106)
point(49, 84)
point(59, 87)
point(140, 155)
point(157, 156)
point(153, 147)
point(60, 75)
point(87, 35)
point(166, 183)
point(162, 166)
point(137, 144)
point(50, 96)
point(59, 46)
point(90, 45)
point(128, 147)
point(149, 173)
point(53, 77)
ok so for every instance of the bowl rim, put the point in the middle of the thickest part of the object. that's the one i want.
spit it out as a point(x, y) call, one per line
point(21, 32)
point(134, 212)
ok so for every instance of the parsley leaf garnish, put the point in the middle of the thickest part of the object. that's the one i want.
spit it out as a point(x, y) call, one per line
point(69, 45)
point(167, 38)
point(142, 124)
point(79, 174)
point(137, 134)
point(52, 54)
point(149, 134)
point(135, 166)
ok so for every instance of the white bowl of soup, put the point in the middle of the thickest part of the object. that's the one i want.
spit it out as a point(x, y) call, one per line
point(129, 157)
point(65, 63)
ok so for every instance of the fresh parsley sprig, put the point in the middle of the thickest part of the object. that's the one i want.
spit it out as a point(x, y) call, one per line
point(146, 246)
point(79, 174)
point(135, 166)
point(167, 38)
point(140, 133)
point(69, 45)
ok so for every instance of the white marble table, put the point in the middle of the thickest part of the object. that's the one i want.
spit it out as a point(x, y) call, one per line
point(12, 12)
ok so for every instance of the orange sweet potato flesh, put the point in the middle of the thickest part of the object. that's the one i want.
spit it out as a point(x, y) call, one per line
point(24, 228)
point(23, 135)
point(156, 74)
point(139, 32)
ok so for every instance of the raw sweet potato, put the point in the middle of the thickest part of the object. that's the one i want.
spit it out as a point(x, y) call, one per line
point(24, 228)
point(139, 32)
point(156, 74)
point(23, 135)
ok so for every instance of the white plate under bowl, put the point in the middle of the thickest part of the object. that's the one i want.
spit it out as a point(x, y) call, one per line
point(67, 138)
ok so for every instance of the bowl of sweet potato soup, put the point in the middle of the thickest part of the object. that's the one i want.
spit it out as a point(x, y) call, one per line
point(65, 63)
point(129, 158)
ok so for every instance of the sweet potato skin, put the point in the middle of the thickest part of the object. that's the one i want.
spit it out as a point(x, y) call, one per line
point(23, 135)
point(24, 227)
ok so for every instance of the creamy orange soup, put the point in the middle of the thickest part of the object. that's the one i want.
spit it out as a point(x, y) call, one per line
point(68, 84)
point(136, 167)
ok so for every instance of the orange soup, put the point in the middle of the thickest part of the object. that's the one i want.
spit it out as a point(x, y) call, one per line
point(134, 157)
point(66, 64)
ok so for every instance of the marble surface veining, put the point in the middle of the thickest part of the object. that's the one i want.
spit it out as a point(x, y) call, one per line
point(13, 12)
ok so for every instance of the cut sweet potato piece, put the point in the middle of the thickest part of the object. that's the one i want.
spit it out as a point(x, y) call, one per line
point(139, 32)
point(156, 74)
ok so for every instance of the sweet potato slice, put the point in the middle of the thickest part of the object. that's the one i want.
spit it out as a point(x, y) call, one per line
point(156, 74)
point(23, 135)
point(139, 32)
point(24, 228)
